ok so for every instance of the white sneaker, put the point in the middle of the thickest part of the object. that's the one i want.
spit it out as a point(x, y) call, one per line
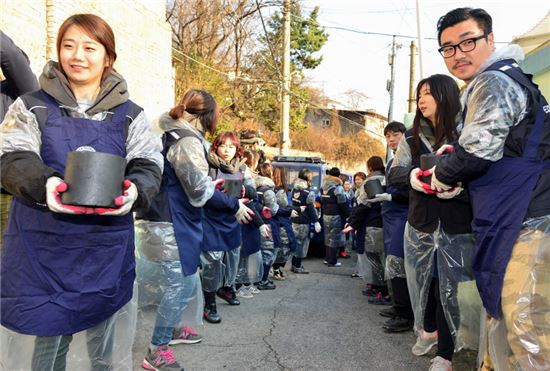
point(440, 364)
point(244, 292)
point(252, 289)
point(424, 342)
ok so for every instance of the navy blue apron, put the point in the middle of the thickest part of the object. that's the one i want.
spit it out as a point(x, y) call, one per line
point(186, 220)
point(65, 273)
point(222, 232)
point(500, 200)
point(394, 218)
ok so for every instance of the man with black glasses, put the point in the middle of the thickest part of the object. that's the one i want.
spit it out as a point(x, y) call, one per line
point(503, 155)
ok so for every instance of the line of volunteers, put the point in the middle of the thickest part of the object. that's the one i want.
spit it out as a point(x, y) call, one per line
point(208, 220)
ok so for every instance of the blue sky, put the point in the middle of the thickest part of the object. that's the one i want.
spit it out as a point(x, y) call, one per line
point(353, 61)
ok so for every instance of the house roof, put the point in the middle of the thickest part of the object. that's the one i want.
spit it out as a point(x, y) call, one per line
point(536, 36)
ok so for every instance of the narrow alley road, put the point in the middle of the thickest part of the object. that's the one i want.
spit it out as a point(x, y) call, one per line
point(319, 321)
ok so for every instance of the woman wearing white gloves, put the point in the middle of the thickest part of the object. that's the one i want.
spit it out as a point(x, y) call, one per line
point(223, 215)
point(69, 268)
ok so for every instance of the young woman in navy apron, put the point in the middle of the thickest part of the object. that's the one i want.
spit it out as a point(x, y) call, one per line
point(68, 268)
point(222, 231)
point(169, 235)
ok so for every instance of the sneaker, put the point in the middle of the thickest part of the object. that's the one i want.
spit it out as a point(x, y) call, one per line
point(244, 292)
point(397, 324)
point(369, 291)
point(388, 312)
point(277, 275)
point(253, 290)
point(325, 262)
point(160, 360)
point(228, 295)
point(380, 300)
point(211, 315)
point(424, 342)
point(282, 273)
point(271, 272)
point(337, 264)
point(266, 285)
point(344, 255)
point(440, 364)
point(185, 335)
point(299, 270)
point(355, 275)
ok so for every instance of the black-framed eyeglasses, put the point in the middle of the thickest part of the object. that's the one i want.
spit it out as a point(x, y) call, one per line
point(467, 45)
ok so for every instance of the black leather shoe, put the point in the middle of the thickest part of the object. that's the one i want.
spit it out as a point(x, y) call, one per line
point(211, 314)
point(388, 312)
point(398, 324)
point(266, 285)
point(229, 296)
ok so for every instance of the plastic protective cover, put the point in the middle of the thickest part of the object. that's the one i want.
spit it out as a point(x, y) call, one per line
point(301, 231)
point(459, 296)
point(107, 346)
point(250, 268)
point(395, 267)
point(521, 339)
point(369, 264)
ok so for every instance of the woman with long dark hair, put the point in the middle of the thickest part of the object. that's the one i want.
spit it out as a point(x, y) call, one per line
point(438, 239)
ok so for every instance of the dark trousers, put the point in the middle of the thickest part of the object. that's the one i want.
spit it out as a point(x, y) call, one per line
point(401, 298)
point(434, 319)
point(331, 254)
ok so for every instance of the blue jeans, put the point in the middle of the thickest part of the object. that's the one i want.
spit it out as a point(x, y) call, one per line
point(178, 292)
point(50, 352)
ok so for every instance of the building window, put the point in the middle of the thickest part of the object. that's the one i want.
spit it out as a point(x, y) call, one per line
point(325, 123)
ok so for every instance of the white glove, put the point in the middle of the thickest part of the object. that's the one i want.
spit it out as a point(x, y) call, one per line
point(303, 208)
point(380, 198)
point(54, 187)
point(317, 227)
point(244, 214)
point(124, 202)
point(436, 184)
point(417, 184)
point(444, 149)
point(453, 192)
point(265, 231)
point(294, 214)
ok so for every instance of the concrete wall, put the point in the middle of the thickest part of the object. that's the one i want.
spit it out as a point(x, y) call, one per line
point(143, 40)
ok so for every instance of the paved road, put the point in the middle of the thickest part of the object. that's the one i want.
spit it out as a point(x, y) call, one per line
point(319, 321)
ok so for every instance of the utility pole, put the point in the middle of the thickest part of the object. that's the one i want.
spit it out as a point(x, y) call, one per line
point(391, 83)
point(285, 109)
point(419, 34)
point(412, 82)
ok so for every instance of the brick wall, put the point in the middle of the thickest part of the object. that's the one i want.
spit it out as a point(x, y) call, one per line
point(143, 40)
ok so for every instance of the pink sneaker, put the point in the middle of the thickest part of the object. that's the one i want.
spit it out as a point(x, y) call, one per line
point(161, 359)
point(185, 335)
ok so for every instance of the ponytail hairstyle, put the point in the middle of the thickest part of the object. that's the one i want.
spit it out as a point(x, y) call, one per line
point(375, 163)
point(201, 104)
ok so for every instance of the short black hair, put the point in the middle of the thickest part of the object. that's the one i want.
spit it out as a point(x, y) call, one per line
point(396, 127)
point(482, 18)
point(334, 172)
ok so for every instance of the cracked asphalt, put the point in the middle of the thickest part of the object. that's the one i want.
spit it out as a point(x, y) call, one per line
point(319, 321)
